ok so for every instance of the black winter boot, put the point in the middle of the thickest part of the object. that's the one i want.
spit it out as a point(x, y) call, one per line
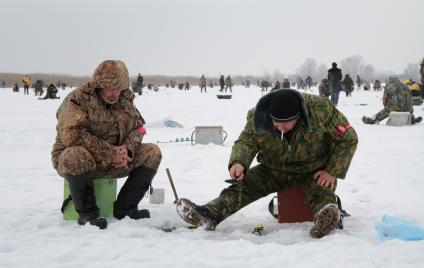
point(368, 120)
point(99, 222)
point(417, 120)
point(131, 193)
point(82, 193)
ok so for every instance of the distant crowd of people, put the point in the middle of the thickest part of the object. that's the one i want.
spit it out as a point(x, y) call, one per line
point(330, 87)
point(397, 95)
point(38, 87)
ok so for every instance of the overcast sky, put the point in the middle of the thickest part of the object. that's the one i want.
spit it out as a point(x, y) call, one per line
point(191, 37)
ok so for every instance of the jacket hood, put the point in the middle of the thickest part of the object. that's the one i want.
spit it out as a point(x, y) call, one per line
point(110, 74)
point(262, 121)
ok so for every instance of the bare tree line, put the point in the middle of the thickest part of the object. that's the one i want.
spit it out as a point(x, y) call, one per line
point(353, 65)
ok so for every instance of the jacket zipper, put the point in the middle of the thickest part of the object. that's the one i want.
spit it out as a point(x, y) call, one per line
point(289, 143)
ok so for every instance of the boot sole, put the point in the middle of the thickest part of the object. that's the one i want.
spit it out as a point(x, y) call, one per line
point(186, 210)
point(326, 221)
point(102, 224)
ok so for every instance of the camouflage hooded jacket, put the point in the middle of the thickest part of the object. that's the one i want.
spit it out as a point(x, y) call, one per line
point(397, 96)
point(321, 139)
point(84, 119)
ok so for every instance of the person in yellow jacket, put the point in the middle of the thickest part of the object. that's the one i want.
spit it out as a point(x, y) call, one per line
point(416, 93)
point(415, 87)
point(27, 83)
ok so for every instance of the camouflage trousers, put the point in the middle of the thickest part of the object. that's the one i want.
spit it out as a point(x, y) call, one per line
point(77, 160)
point(383, 114)
point(260, 182)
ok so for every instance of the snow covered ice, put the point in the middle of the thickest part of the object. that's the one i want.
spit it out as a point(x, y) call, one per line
point(385, 177)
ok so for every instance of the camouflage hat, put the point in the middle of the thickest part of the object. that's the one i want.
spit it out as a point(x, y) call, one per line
point(111, 74)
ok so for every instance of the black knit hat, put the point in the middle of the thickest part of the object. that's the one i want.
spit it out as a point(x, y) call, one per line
point(284, 107)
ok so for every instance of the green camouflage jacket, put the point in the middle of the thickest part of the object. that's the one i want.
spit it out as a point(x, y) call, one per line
point(322, 139)
point(397, 96)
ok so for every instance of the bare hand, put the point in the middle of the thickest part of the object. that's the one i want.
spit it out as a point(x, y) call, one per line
point(120, 157)
point(325, 179)
point(237, 172)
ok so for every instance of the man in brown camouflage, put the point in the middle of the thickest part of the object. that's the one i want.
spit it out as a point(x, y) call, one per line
point(300, 140)
point(99, 135)
point(397, 98)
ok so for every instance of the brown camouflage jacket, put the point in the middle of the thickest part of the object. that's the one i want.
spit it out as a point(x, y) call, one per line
point(84, 119)
point(322, 139)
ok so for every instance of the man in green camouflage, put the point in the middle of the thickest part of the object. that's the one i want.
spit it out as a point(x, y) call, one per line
point(300, 140)
point(397, 98)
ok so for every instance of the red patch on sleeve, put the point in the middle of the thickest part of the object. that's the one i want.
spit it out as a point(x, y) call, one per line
point(142, 130)
point(341, 130)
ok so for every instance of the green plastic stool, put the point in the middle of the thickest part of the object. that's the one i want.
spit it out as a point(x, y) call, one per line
point(105, 190)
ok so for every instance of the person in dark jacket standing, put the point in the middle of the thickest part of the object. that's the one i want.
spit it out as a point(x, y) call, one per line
point(348, 85)
point(334, 77)
point(139, 84)
point(228, 83)
point(309, 82)
point(38, 87)
point(221, 83)
point(358, 81)
point(202, 83)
